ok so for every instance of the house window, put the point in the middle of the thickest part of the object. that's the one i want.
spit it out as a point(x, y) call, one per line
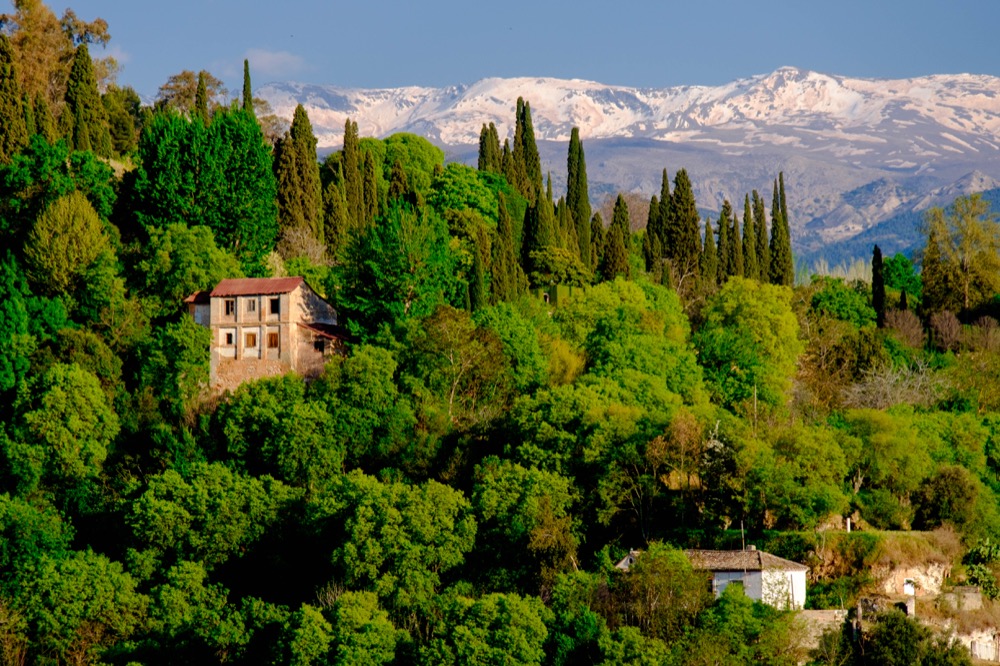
point(320, 345)
point(230, 307)
point(276, 306)
point(272, 340)
point(251, 340)
point(252, 305)
point(229, 339)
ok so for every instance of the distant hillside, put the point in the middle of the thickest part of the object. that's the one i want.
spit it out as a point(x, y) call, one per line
point(855, 152)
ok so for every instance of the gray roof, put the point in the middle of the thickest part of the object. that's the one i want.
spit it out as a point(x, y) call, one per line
point(740, 560)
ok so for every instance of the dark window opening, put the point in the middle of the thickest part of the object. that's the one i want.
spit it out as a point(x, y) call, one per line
point(230, 307)
point(320, 345)
point(276, 306)
point(229, 339)
point(252, 306)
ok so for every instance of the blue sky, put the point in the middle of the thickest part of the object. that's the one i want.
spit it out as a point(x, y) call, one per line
point(385, 43)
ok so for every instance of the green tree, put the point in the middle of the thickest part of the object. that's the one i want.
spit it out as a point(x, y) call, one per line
point(398, 269)
point(760, 228)
point(725, 250)
point(683, 238)
point(180, 93)
point(13, 132)
point(507, 277)
point(494, 629)
point(749, 343)
point(615, 260)
point(247, 88)
point(489, 149)
point(878, 287)
point(962, 255)
point(87, 121)
point(66, 240)
point(394, 539)
point(708, 265)
point(598, 240)
point(353, 175)
point(297, 175)
point(527, 162)
point(781, 266)
point(751, 269)
point(362, 632)
point(122, 106)
point(67, 429)
point(201, 99)
point(16, 341)
point(577, 198)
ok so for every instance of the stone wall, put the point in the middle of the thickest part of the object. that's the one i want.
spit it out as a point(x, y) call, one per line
point(927, 579)
point(230, 373)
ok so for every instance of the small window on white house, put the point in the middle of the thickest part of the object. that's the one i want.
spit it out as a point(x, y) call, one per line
point(230, 306)
point(229, 339)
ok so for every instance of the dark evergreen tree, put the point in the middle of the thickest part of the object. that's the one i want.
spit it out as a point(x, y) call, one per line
point(13, 128)
point(527, 163)
point(598, 240)
point(311, 194)
point(616, 253)
point(201, 99)
point(539, 230)
point(478, 298)
point(353, 178)
point(725, 254)
point(44, 123)
point(370, 189)
point(750, 268)
point(684, 230)
point(735, 247)
point(336, 222)
point(399, 186)
point(507, 166)
point(878, 287)
point(708, 264)
point(85, 119)
point(782, 267)
point(665, 215)
point(760, 228)
point(489, 149)
point(288, 178)
point(577, 197)
point(247, 90)
point(652, 248)
point(781, 198)
point(122, 107)
point(507, 277)
point(903, 305)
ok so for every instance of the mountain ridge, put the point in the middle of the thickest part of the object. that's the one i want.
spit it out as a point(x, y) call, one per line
point(830, 134)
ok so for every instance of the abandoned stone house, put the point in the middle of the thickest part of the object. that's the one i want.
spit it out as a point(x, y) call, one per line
point(263, 327)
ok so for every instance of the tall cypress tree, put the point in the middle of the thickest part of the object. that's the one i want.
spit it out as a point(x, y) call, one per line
point(652, 248)
point(289, 180)
point(336, 224)
point(489, 149)
point(247, 89)
point(577, 197)
point(684, 239)
point(13, 128)
point(782, 267)
point(760, 228)
point(370, 190)
point(478, 298)
point(527, 163)
point(708, 264)
point(304, 142)
point(736, 247)
point(750, 268)
point(353, 177)
point(507, 167)
point(781, 199)
point(86, 119)
point(598, 239)
point(616, 253)
point(201, 98)
point(878, 287)
point(665, 216)
point(725, 253)
point(507, 276)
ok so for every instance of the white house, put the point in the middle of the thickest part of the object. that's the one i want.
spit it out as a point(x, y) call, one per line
point(775, 581)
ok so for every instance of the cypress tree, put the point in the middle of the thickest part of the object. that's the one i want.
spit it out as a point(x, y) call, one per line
point(539, 229)
point(86, 120)
point(577, 196)
point(311, 193)
point(336, 223)
point(289, 180)
point(247, 90)
point(933, 274)
point(13, 128)
point(489, 149)
point(477, 283)
point(665, 216)
point(725, 269)
point(878, 287)
point(736, 247)
point(370, 190)
point(782, 268)
point(902, 300)
point(352, 165)
point(201, 99)
point(507, 167)
point(598, 239)
point(399, 185)
point(616, 252)
point(708, 263)
point(685, 227)
point(750, 268)
point(527, 163)
point(781, 198)
point(652, 248)
point(507, 276)
point(760, 228)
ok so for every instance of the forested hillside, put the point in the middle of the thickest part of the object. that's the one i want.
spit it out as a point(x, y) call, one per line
point(528, 392)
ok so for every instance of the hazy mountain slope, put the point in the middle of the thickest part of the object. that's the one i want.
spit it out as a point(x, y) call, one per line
point(855, 152)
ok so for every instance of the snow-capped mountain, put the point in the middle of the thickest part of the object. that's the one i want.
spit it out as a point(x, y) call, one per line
point(854, 151)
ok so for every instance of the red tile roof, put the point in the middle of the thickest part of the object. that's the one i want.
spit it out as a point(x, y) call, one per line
point(740, 560)
point(199, 297)
point(253, 286)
